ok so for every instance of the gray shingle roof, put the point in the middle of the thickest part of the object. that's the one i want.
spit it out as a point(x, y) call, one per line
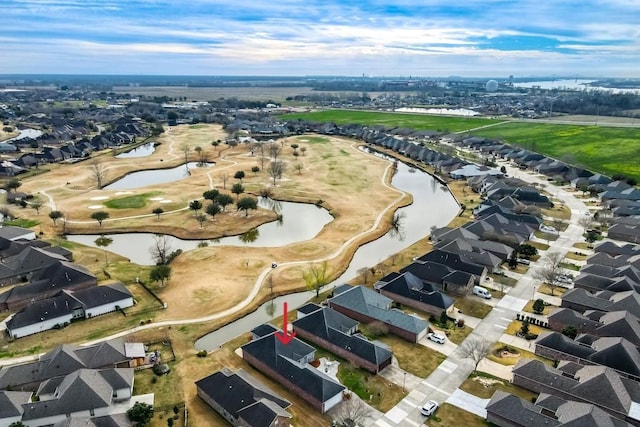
point(370, 303)
point(335, 328)
point(11, 402)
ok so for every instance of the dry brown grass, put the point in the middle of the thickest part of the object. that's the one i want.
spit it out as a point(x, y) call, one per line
point(448, 415)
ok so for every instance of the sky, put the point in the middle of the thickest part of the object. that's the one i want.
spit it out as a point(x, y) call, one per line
point(471, 38)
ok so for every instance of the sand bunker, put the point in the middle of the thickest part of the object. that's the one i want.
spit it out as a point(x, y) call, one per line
point(166, 201)
point(95, 207)
point(155, 199)
point(99, 198)
point(122, 193)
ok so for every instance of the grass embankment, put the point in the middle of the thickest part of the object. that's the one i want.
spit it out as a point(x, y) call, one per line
point(392, 120)
point(608, 150)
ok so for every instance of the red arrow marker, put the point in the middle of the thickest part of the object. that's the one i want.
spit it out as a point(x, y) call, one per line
point(285, 337)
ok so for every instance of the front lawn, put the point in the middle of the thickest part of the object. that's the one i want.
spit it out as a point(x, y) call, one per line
point(484, 385)
point(414, 358)
point(472, 307)
point(448, 415)
point(373, 389)
point(509, 356)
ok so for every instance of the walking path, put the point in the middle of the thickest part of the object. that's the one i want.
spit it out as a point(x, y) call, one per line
point(446, 379)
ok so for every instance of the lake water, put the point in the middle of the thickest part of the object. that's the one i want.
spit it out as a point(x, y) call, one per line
point(439, 111)
point(143, 150)
point(25, 133)
point(300, 222)
point(574, 84)
point(152, 177)
point(433, 205)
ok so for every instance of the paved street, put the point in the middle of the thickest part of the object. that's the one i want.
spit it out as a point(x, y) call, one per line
point(443, 383)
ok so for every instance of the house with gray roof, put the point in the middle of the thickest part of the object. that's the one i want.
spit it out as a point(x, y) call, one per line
point(614, 352)
point(242, 400)
point(64, 360)
point(337, 333)
point(580, 300)
point(508, 410)
point(68, 306)
point(407, 289)
point(289, 365)
point(367, 306)
point(11, 405)
point(597, 385)
point(46, 283)
point(81, 393)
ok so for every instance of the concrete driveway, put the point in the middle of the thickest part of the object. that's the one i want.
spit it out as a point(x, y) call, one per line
point(447, 348)
point(468, 402)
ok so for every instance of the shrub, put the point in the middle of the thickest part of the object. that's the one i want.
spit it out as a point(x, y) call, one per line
point(538, 306)
point(202, 353)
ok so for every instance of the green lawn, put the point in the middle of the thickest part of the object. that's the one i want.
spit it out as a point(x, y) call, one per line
point(608, 150)
point(415, 121)
point(131, 202)
point(22, 222)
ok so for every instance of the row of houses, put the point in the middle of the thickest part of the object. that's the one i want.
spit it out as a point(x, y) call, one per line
point(55, 151)
point(596, 378)
point(50, 291)
point(73, 385)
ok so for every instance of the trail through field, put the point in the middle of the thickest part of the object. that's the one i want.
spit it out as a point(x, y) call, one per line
point(482, 127)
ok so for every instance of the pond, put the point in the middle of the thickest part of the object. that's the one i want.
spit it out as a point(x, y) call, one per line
point(300, 222)
point(143, 150)
point(152, 177)
point(433, 205)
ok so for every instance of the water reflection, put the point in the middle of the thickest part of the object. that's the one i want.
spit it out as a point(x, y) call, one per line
point(152, 177)
point(250, 236)
point(143, 150)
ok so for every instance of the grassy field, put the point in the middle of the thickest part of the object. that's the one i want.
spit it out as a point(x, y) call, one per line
point(415, 121)
point(609, 150)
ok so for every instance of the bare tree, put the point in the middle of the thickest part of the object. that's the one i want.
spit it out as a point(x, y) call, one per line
point(316, 276)
point(585, 221)
point(161, 248)
point(185, 150)
point(224, 177)
point(276, 169)
point(303, 149)
point(364, 272)
point(351, 412)
point(274, 151)
point(550, 270)
point(98, 172)
point(36, 204)
point(298, 167)
point(474, 349)
point(262, 154)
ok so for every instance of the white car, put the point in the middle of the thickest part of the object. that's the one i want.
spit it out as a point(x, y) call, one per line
point(436, 337)
point(429, 408)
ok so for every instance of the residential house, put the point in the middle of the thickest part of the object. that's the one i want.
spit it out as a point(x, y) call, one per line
point(242, 400)
point(68, 306)
point(11, 406)
point(508, 410)
point(580, 300)
point(624, 232)
point(22, 266)
point(289, 365)
point(83, 393)
point(597, 385)
point(614, 352)
point(46, 283)
point(597, 323)
point(337, 333)
point(409, 290)
point(455, 261)
point(367, 306)
point(63, 360)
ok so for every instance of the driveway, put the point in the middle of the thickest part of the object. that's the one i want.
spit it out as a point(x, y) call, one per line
point(447, 348)
point(468, 402)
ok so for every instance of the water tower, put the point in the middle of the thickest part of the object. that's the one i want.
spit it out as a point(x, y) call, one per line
point(491, 86)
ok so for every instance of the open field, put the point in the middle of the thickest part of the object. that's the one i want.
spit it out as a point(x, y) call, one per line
point(609, 150)
point(276, 94)
point(415, 121)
